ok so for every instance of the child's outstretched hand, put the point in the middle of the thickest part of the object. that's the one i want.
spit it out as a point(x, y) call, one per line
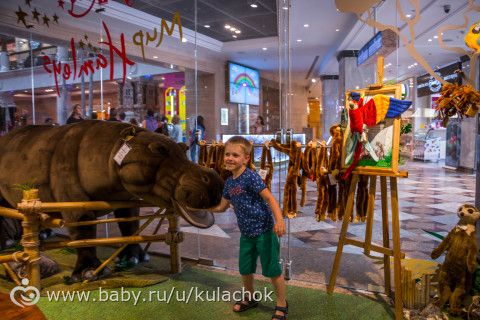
point(279, 228)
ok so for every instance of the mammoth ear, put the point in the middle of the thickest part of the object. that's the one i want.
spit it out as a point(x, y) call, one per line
point(183, 146)
point(128, 133)
point(158, 148)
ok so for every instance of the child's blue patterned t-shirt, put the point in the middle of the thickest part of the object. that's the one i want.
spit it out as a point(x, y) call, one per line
point(254, 216)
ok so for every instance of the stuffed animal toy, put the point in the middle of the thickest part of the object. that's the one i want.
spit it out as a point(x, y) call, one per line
point(309, 161)
point(266, 164)
point(472, 38)
point(334, 167)
point(460, 260)
point(322, 182)
point(294, 151)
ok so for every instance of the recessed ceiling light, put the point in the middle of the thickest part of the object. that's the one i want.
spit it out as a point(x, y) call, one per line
point(429, 40)
point(435, 37)
point(207, 26)
point(415, 64)
point(306, 25)
point(285, 8)
point(408, 15)
point(49, 90)
point(171, 66)
point(337, 30)
point(442, 33)
point(314, 80)
point(155, 57)
point(234, 36)
point(238, 31)
point(184, 39)
point(264, 49)
point(233, 29)
point(227, 26)
point(253, 5)
point(299, 40)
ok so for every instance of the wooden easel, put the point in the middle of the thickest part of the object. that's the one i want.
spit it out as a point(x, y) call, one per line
point(367, 244)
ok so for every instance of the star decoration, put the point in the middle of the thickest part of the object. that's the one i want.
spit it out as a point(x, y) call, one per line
point(36, 14)
point(55, 18)
point(61, 4)
point(81, 44)
point(27, 2)
point(21, 16)
point(46, 20)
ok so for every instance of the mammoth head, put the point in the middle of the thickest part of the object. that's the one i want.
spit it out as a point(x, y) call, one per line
point(157, 170)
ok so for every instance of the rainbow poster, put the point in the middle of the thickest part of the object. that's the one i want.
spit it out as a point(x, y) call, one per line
point(244, 84)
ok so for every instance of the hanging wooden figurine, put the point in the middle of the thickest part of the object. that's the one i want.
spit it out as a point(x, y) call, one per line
point(294, 151)
point(251, 161)
point(211, 155)
point(202, 157)
point(309, 159)
point(361, 199)
point(266, 165)
point(321, 177)
point(334, 166)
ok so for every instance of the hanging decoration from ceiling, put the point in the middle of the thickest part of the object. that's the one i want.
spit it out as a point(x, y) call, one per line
point(455, 104)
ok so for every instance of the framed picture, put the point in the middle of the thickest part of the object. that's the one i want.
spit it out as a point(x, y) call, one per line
point(380, 153)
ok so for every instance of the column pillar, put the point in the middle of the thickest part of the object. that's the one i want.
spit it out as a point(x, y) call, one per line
point(330, 106)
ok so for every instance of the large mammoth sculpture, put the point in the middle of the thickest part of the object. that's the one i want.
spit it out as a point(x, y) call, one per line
point(76, 163)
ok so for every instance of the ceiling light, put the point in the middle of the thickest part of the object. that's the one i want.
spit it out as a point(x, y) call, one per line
point(337, 30)
point(299, 40)
point(233, 29)
point(253, 5)
point(234, 36)
point(285, 8)
point(264, 49)
point(429, 40)
point(314, 80)
point(184, 39)
point(415, 64)
point(49, 90)
point(227, 26)
point(207, 26)
point(306, 25)
point(357, 87)
point(441, 33)
point(155, 57)
point(435, 37)
point(238, 31)
point(171, 66)
point(408, 15)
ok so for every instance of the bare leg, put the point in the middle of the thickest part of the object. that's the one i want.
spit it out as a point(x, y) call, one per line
point(279, 284)
point(247, 281)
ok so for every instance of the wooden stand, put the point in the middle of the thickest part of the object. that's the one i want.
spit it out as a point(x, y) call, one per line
point(367, 244)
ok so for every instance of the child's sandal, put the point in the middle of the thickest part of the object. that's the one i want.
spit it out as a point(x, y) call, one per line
point(245, 305)
point(281, 309)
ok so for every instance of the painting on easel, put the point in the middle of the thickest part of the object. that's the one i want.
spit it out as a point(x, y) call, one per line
point(372, 130)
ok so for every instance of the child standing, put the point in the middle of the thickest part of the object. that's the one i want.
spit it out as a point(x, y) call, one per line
point(253, 205)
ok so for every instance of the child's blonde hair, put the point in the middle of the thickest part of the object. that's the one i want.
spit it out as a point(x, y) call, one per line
point(246, 145)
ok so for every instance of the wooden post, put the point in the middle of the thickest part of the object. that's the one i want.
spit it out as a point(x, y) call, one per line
point(175, 262)
point(30, 242)
point(386, 237)
point(397, 267)
point(370, 213)
point(343, 233)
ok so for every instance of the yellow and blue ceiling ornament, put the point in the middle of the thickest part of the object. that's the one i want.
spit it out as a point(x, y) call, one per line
point(472, 39)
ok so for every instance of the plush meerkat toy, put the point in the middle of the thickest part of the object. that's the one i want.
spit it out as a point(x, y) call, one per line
point(266, 165)
point(294, 151)
point(460, 260)
point(203, 154)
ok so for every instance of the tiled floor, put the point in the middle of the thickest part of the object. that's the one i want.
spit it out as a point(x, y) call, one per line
point(428, 200)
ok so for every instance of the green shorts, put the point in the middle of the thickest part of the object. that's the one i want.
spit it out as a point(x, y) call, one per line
point(267, 247)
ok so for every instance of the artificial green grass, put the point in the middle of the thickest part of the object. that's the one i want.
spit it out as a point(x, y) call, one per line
point(304, 303)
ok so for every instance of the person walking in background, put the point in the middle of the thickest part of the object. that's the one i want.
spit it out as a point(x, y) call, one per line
point(197, 134)
point(122, 116)
point(76, 115)
point(113, 115)
point(162, 125)
point(258, 126)
point(176, 133)
point(150, 123)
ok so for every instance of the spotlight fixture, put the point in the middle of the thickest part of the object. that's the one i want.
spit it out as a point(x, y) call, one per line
point(264, 49)
point(430, 40)
point(155, 57)
point(408, 15)
point(207, 26)
point(337, 30)
point(227, 26)
point(238, 31)
point(299, 40)
point(254, 5)
point(234, 36)
point(233, 29)
point(184, 39)
point(314, 80)
point(306, 25)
